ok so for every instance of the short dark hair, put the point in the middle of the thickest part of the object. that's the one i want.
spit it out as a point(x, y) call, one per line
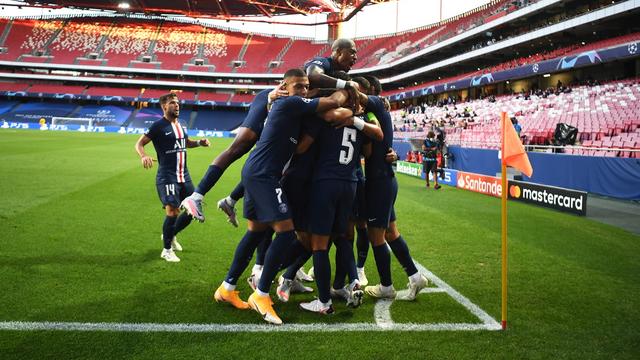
point(375, 84)
point(295, 72)
point(342, 44)
point(165, 98)
point(364, 83)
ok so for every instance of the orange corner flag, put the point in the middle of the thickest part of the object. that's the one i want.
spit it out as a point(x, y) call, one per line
point(513, 153)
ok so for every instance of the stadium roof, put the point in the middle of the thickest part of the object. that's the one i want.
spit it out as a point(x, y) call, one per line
point(224, 9)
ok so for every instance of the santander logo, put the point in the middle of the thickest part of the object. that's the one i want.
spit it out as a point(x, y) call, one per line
point(480, 183)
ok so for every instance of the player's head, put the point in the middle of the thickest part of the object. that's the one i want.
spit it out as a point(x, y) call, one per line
point(343, 52)
point(296, 82)
point(431, 135)
point(170, 106)
point(363, 83)
point(376, 87)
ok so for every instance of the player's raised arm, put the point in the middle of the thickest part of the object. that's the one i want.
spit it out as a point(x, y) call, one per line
point(342, 117)
point(147, 161)
point(196, 143)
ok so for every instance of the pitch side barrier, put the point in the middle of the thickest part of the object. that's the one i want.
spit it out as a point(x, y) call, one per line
point(104, 129)
point(557, 198)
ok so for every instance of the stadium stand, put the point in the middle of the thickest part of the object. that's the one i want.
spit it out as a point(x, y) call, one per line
point(218, 120)
point(109, 91)
point(213, 96)
point(605, 116)
point(299, 52)
point(260, 52)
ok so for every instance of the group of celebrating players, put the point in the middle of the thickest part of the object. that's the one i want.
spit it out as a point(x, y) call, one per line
point(303, 187)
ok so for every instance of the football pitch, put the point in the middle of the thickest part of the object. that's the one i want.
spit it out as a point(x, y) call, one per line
point(82, 275)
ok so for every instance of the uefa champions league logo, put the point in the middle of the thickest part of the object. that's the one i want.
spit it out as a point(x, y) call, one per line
point(536, 67)
point(632, 48)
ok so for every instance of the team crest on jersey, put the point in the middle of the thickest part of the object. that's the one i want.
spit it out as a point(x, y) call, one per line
point(283, 208)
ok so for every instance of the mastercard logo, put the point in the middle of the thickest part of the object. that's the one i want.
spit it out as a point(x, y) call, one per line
point(514, 191)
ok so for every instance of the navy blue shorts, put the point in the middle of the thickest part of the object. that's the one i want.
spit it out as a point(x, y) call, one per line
point(298, 192)
point(429, 165)
point(331, 202)
point(359, 211)
point(381, 196)
point(265, 200)
point(173, 194)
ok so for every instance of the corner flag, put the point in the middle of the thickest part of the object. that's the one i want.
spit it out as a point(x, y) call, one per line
point(513, 154)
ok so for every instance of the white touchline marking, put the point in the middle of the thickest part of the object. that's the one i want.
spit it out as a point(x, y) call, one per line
point(382, 313)
point(218, 328)
point(473, 308)
point(382, 316)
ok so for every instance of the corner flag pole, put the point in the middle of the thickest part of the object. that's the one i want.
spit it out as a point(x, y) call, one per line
point(504, 222)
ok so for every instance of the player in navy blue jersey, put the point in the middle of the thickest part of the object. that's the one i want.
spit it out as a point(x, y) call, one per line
point(248, 133)
point(332, 194)
point(343, 57)
point(296, 182)
point(381, 190)
point(265, 202)
point(173, 182)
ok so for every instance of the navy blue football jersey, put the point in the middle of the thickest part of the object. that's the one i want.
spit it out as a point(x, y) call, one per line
point(338, 153)
point(279, 137)
point(326, 63)
point(257, 112)
point(170, 141)
point(376, 166)
point(301, 165)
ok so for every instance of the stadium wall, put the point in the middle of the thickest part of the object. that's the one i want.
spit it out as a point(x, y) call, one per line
point(613, 177)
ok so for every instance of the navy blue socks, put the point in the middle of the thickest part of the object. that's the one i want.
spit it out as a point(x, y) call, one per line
point(401, 251)
point(274, 257)
point(243, 255)
point(168, 230)
point(209, 179)
point(362, 244)
point(383, 263)
point(322, 273)
point(238, 192)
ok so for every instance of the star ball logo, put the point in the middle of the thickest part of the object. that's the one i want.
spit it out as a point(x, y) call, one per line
point(632, 48)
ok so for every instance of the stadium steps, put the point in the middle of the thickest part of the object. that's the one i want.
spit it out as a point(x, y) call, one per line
point(5, 33)
point(243, 51)
point(54, 36)
point(322, 51)
point(192, 119)
point(281, 54)
point(75, 111)
point(131, 117)
point(246, 44)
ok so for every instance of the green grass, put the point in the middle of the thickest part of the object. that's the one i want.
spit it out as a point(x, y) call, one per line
point(80, 221)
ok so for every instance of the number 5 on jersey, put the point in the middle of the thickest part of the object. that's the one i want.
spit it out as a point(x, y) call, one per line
point(348, 138)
